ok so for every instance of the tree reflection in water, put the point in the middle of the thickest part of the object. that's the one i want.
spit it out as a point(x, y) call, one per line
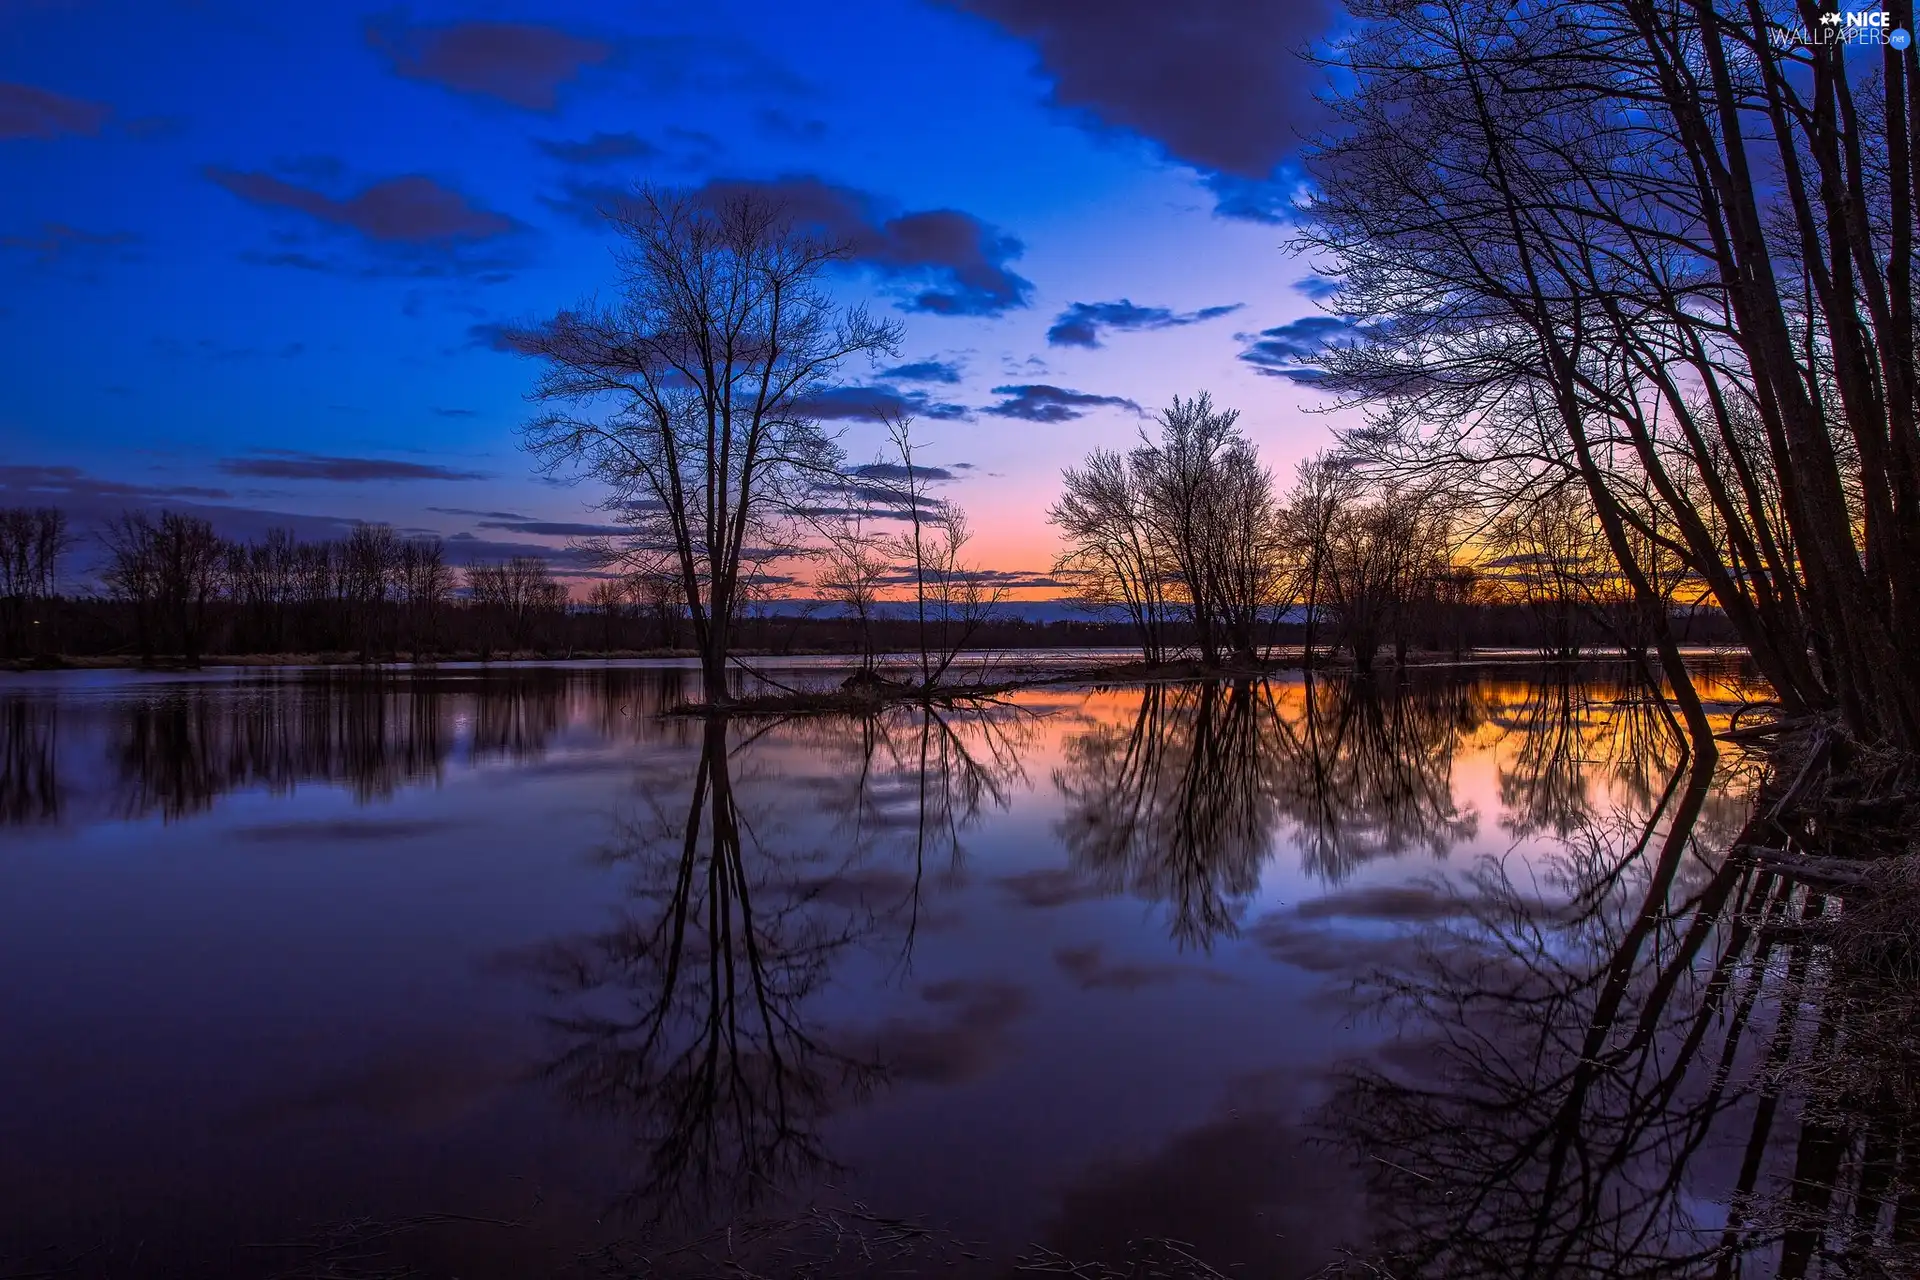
point(29, 762)
point(696, 1023)
point(178, 749)
point(1368, 769)
point(1565, 731)
point(1183, 805)
point(1177, 806)
point(1577, 1088)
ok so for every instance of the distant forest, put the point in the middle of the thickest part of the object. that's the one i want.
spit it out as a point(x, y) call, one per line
point(172, 591)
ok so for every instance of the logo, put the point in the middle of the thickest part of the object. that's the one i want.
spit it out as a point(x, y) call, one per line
point(1844, 27)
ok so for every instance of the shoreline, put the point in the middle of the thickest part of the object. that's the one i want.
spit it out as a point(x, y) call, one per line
point(1287, 658)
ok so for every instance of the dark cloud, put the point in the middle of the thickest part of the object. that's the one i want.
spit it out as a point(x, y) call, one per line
point(90, 501)
point(1051, 887)
point(442, 412)
point(521, 63)
point(1020, 578)
point(284, 465)
point(895, 471)
point(555, 528)
point(27, 112)
point(405, 210)
point(1319, 288)
point(1080, 324)
point(787, 127)
point(949, 262)
point(872, 404)
point(851, 403)
point(467, 548)
point(1250, 200)
point(1213, 82)
point(480, 515)
point(587, 203)
point(1089, 967)
point(992, 577)
point(1282, 351)
point(601, 148)
point(59, 482)
point(923, 371)
point(56, 242)
point(1037, 402)
point(498, 337)
point(400, 262)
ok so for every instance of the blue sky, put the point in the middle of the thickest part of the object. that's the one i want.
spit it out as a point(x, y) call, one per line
point(251, 255)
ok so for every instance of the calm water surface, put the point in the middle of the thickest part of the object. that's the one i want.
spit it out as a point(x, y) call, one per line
point(295, 958)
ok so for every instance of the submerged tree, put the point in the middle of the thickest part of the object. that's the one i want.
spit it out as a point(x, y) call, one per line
point(1187, 520)
point(687, 397)
point(1110, 550)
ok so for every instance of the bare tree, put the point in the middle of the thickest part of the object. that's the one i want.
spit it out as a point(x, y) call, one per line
point(188, 554)
point(513, 595)
point(1554, 560)
point(168, 572)
point(132, 574)
point(1384, 561)
point(951, 597)
point(855, 564)
point(1188, 518)
point(1110, 551)
point(1325, 485)
point(423, 583)
point(1641, 247)
point(32, 540)
point(688, 398)
point(659, 594)
point(1179, 478)
point(369, 565)
point(609, 597)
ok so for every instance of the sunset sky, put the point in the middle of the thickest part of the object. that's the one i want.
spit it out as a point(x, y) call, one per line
point(253, 256)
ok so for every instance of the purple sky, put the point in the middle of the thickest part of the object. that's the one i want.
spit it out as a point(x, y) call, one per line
point(252, 256)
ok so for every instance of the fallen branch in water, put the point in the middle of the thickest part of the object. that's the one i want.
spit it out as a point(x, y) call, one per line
point(1831, 872)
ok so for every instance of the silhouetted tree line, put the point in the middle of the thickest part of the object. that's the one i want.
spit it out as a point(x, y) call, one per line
point(32, 540)
point(172, 588)
point(183, 590)
point(1187, 536)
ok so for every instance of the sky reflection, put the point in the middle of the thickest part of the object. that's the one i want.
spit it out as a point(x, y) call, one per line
point(306, 947)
